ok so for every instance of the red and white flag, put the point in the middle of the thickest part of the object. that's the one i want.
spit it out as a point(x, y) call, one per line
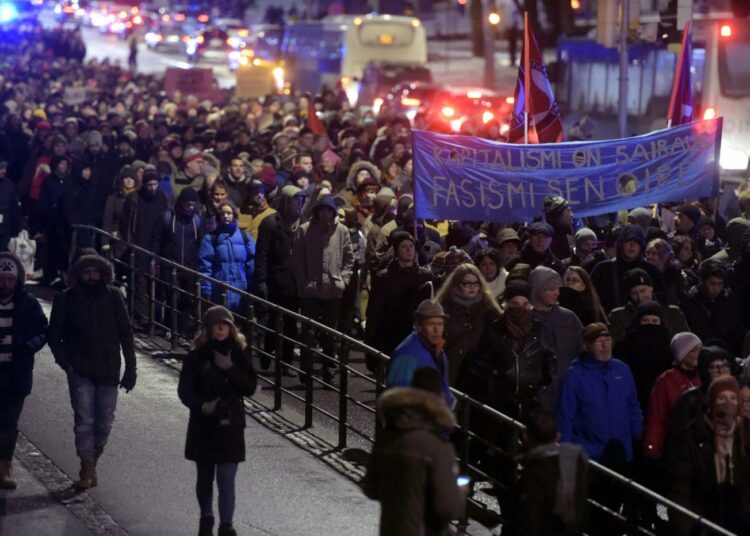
point(534, 98)
point(681, 103)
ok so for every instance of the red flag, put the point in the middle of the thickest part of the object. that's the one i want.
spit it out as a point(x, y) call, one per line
point(534, 96)
point(681, 103)
point(313, 121)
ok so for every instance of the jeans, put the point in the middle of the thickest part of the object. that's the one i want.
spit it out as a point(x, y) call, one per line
point(10, 411)
point(327, 313)
point(94, 411)
point(204, 489)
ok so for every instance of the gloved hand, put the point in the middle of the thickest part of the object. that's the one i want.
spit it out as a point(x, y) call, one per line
point(223, 361)
point(209, 407)
point(128, 379)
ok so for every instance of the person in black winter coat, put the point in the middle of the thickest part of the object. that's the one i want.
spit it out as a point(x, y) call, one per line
point(52, 214)
point(552, 489)
point(507, 371)
point(81, 205)
point(713, 362)
point(24, 332)
point(711, 466)
point(712, 310)
point(392, 296)
point(412, 469)
point(10, 208)
point(645, 348)
point(177, 237)
point(607, 276)
point(145, 211)
point(215, 376)
point(274, 278)
point(88, 328)
point(536, 251)
point(558, 214)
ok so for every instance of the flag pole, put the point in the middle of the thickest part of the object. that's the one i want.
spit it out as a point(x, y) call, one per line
point(526, 77)
point(678, 74)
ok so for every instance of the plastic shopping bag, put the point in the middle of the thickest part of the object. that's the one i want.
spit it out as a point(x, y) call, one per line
point(24, 248)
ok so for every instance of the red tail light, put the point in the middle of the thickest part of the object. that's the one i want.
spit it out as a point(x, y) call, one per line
point(726, 31)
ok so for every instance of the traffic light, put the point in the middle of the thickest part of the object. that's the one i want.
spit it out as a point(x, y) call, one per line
point(607, 29)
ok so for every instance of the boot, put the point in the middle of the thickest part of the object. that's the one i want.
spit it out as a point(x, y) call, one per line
point(6, 478)
point(87, 475)
point(206, 528)
point(226, 529)
point(99, 451)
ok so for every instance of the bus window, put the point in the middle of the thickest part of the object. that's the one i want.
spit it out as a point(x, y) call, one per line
point(377, 34)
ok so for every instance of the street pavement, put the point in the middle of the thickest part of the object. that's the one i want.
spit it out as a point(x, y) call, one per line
point(146, 485)
point(450, 61)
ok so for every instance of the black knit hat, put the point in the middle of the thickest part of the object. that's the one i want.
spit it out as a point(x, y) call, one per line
point(517, 288)
point(400, 236)
point(689, 211)
point(646, 308)
point(635, 277)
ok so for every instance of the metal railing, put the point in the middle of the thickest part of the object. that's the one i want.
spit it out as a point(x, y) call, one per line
point(351, 403)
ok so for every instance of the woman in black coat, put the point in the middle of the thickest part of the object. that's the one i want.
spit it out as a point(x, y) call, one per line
point(215, 376)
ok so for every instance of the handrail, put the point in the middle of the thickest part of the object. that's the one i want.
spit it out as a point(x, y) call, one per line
point(460, 397)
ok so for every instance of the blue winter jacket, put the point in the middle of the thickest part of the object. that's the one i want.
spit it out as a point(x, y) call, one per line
point(231, 261)
point(598, 409)
point(412, 354)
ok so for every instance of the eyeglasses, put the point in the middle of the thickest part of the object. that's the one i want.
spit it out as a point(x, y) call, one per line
point(470, 284)
point(719, 366)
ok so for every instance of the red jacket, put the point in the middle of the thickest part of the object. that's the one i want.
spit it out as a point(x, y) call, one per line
point(667, 389)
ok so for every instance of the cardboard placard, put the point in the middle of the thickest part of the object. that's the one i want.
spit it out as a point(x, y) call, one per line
point(254, 81)
point(196, 81)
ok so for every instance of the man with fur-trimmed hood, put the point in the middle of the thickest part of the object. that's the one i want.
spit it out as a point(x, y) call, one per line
point(412, 470)
point(89, 326)
point(23, 332)
point(361, 172)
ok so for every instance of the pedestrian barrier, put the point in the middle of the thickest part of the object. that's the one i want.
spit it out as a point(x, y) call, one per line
point(487, 442)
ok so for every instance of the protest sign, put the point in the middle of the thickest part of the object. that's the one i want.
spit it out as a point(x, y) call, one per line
point(195, 81)
point(74, 96)
point(466, 178)
point(254, 81)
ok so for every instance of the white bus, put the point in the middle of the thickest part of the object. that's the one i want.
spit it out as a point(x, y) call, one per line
point(337, 48)
point(725, 87)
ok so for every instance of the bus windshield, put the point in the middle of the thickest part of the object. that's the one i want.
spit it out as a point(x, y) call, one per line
point(734, 63)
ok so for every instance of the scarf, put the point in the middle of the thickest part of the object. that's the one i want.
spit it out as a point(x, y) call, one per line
point(723, 427)
point(459, 298)
point(518, 322)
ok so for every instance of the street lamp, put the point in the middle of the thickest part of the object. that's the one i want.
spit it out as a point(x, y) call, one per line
point(494, 18)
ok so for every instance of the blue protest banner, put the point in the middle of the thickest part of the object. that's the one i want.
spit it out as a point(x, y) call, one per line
point(465, 178)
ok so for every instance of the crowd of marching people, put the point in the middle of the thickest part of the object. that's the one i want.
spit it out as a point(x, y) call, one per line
point(630, 328)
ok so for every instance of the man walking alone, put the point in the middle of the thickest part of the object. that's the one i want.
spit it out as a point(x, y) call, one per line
point(89, 325)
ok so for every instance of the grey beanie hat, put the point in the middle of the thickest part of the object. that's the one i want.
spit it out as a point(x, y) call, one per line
point(217, 314)
point(640, 216)
point(682, 343)
point(543, 278)
point(584, 234)
point(95, 137)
